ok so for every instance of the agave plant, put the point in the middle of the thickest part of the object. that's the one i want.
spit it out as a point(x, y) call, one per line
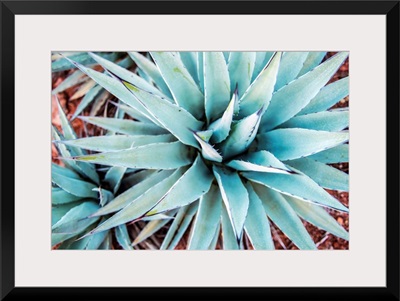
point(76, 193)
point(219, 144)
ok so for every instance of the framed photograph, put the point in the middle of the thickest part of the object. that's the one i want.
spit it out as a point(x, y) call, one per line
point(168, 149)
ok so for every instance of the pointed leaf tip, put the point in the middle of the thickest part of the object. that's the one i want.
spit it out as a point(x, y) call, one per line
point(208, 152)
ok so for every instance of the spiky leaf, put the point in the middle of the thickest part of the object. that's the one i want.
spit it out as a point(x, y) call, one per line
point(184, 89)
point(216, 84)
point(150, 156)
point(192, 185)
point(235, 197)
point(296, 185)
point(282, 214)
point(257, 225)
point(317, 216)
point(288, 144)
point(207, 220)
point(289, 100)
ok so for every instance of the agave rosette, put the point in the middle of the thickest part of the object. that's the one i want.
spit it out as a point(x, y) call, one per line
point(222, 143)
point(77, 192)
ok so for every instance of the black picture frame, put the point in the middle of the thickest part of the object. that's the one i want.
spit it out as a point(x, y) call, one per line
point(9, 9)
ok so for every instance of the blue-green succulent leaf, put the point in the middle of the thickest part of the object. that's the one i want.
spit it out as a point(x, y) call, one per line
point(117, 142)
point(126, 75)
point(248, 166)
point(327, 97)
point(156, 222)
point(59, 210)
point(116, 88)
point(296, 185)
point(229, 239)
point(145, 182)
point(60, 196)
point(132, 112)
point(107, 242)
point(207, 220)
point(88, 170)
point(241, 67)
point(168, 155)
point(134, 176)
point(89, 242)
point(288, 144)
point(70, 243)
point(235, 197)
point(64, 171)
point(184, 225)
point(57, 55)
point(81, 58)
point(66, 244)
point(99, 102)
point(147, 78)
point(264, 158)
point(192, 185)
point(125, 62)
point(125, 126)
point(122, 236)
point(330, 121)
point(317, 216)
point(61, 148)
point(222, 126)
point(262, 59)
point(74, 226)
point(283, 215)
point(207, 150)
point(181, 84)
point(205, 135)
point(75, 78)
point(337, 154)
point(105, 196)
point(86, 100)
point(189, 59)
point(290, 99)
point(68, 132)
point(182, 212)
point(214, 241)
point(200, 70)
point(74, 186)
point(216, 85)
point(324, 175)
point(57, 238)
point(167, 114)
point(82, 168)
point(291, 64)
point(151, 228)
point(157, 217)
point(260, 91)
point(75, 220)
point(261, 161)
point(151, 70)
point(241, 136)
point(75, 243)
point(114, 177)
point(257, 224)
point(142, 204)
point(313, 59)
point(226, 55)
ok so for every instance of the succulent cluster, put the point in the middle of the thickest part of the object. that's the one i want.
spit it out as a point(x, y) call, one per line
point(219, 144)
